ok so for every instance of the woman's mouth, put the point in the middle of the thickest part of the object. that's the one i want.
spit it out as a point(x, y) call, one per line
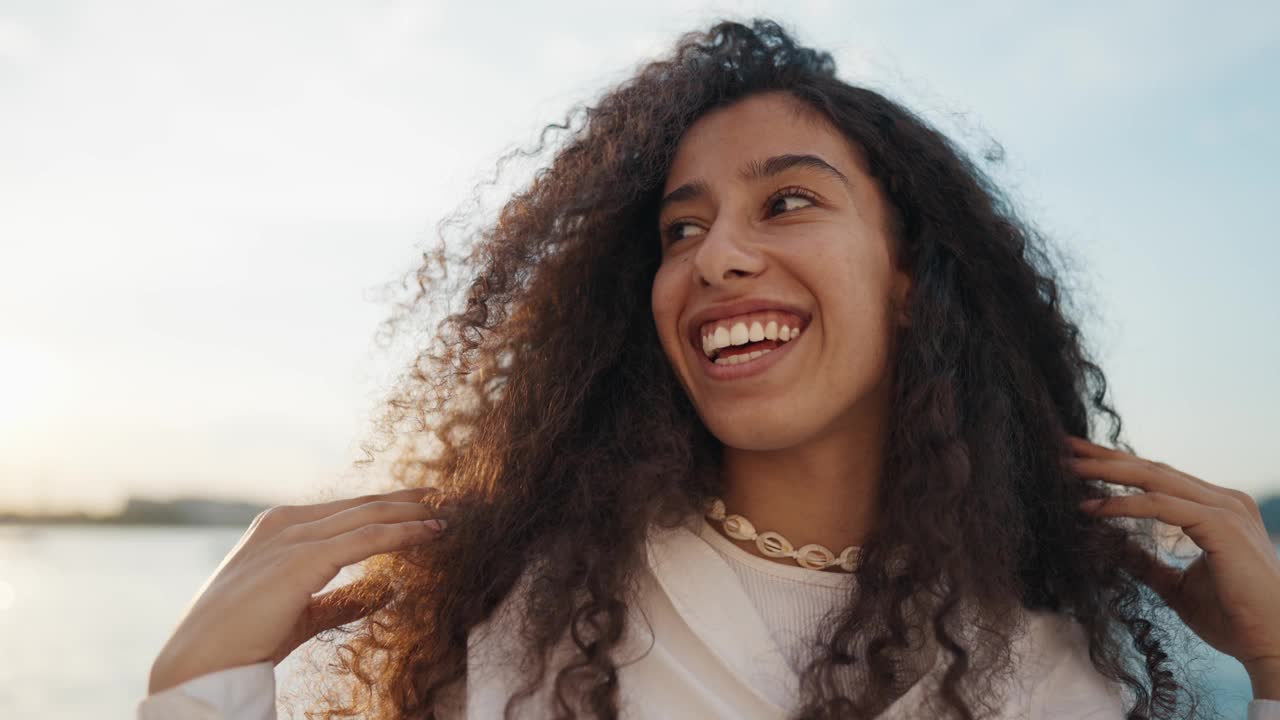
point(746, 359)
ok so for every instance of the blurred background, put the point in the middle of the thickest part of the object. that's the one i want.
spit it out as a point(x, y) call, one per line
point(202, 205)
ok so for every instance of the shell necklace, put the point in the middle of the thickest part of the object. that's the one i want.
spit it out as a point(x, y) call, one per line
point(772, 544)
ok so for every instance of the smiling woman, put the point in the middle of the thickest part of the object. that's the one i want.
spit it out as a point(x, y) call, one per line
point(757, 407)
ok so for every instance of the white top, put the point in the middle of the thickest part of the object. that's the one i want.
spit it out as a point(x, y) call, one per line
point(792, 601)
point(716, 634)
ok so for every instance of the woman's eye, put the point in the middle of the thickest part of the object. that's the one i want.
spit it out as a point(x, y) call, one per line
point(787, 202)
point(675, 232)
point(784, 202)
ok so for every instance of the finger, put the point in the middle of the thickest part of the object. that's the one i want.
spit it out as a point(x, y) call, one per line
point(1204, 524)
point(379, 511)
point(369, 540)
point(336, 506)
point(1089, 449)
point(277, 518)
point(1151, 478)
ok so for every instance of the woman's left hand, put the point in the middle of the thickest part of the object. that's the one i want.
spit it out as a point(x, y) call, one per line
point(1230, 594)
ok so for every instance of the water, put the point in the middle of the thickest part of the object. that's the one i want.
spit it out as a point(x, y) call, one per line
point(84, 610)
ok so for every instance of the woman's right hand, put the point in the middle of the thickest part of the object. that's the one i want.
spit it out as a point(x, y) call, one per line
point(258, 604)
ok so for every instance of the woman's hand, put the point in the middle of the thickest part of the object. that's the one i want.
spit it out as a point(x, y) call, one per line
point(1230, 594)
point(258, 604)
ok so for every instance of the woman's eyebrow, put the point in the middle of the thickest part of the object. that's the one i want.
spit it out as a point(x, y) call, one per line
point(755, 170)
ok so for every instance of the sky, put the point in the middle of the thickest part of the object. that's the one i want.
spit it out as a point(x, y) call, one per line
point(201, 202)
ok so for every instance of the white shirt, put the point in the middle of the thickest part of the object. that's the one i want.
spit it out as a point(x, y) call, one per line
point(792, 601)
point(716, 634)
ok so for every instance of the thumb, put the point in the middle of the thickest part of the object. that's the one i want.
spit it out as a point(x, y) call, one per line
point(343, 605)
point(337, 607)
point(1164, 579)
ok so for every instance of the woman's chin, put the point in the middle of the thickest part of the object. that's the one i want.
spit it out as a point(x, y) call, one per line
point(749, 431)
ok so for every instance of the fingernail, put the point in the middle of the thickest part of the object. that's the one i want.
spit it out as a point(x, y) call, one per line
point(436, 524)
point(1090, 504)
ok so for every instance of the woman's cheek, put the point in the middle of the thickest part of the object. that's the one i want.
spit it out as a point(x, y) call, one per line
point(665, 304)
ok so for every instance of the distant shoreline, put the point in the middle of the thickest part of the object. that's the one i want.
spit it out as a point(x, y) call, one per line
point(144, 511)
point(7, 520)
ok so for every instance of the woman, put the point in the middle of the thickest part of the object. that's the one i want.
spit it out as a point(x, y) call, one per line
point(745, 295)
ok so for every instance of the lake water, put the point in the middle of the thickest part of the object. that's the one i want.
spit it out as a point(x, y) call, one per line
point(84, 610)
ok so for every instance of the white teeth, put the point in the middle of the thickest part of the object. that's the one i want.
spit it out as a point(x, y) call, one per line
point(741, 358)
point(741, 333)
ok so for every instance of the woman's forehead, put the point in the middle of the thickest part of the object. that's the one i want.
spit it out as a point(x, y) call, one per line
point(725, 142)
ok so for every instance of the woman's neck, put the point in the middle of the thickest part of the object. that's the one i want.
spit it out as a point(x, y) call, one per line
point(823, 492)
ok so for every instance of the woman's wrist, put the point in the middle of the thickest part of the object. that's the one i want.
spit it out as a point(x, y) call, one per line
point(162, 678)
point(172, 667)
point(1264, 675)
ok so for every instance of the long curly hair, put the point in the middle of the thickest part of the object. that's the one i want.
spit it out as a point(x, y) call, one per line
point(545, 411)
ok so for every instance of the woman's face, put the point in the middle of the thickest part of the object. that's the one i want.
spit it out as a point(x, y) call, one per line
point(769, 221)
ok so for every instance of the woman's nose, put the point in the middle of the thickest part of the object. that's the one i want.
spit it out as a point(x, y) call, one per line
point(727, 252)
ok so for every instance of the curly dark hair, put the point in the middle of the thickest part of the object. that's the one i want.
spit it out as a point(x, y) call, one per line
point(512, 410)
